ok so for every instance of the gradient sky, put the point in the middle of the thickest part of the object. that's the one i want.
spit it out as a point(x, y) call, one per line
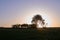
point(21, 11)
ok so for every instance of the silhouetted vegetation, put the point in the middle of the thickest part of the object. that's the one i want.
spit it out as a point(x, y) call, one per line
point(30, 31)
point(16, 26)
point(24, 26)
point(32, 26)
point(37, 18)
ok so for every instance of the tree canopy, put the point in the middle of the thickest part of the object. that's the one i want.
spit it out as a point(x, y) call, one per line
point(37, 18)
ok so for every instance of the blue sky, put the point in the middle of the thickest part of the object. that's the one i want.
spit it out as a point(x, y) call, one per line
point(13, 11)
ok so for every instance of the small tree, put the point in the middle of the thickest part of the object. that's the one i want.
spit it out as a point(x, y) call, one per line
point(32, 26)
point(24, 26)
point(16, 26)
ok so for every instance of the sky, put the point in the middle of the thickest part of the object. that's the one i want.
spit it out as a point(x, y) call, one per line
point(22, 11)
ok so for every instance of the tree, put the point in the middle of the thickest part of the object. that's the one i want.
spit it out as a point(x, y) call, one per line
point(24, 26)
point(38, 18)
point(32, 26)
point(16, 26)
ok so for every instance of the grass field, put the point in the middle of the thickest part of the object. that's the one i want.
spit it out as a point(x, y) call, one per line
point(30, 34)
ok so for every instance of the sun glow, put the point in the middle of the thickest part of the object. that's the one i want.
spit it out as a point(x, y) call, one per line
point(44, 16)
point(39, 24)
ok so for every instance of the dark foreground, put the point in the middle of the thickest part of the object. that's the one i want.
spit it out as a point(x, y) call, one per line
point(30, 34)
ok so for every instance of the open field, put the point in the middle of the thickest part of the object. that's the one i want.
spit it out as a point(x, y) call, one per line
point(30, 34)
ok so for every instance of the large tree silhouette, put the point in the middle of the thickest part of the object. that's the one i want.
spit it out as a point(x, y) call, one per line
point(38, 18)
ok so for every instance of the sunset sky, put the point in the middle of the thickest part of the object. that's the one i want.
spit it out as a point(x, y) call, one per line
point(22, 11)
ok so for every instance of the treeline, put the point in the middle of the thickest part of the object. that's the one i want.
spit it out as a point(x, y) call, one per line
point(24, 26)
point(35, 20)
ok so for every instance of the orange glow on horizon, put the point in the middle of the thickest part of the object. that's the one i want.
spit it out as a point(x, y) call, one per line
point(51, 21)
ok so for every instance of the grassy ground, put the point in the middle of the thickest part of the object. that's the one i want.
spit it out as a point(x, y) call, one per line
point(30, 34)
